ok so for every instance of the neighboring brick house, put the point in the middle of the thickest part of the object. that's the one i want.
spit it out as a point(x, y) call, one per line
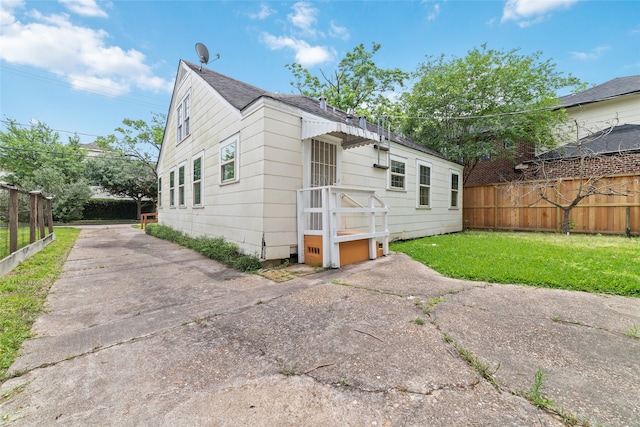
point(608, 153)
point(616, 102)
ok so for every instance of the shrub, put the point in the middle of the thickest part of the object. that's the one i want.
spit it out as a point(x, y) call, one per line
point(212, 247)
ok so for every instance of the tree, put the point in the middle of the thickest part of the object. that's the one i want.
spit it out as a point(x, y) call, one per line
point(593, 174)
point(25, 150)
point(357, 83)
point(137, 139)
point(68, 197)
point(124, 176)
point(128, 167)
point(467, 108)
point(36, 159)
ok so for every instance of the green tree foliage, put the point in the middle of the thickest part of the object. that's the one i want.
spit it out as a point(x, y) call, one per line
point(25, 150)
point(137, 139)
point(124, 176)
point(468, 108)
point(68, 197)
point(34, 158)
point(357, 83)
point(128, 166)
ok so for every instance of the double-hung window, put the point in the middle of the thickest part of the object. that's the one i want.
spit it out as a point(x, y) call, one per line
point(229, 159)
point(181, 179)
point(197, 180)
point(160, 191)
point(172, 189)
point(424, 184)
point(397, 173)
point(455, 187)
point(183, 114)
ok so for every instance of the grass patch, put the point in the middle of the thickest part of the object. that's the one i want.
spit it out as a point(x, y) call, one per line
point(213, 247)
point(24, 291)
point(591, 263)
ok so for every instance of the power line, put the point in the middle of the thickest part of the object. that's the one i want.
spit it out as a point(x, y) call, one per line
point(96, 91)
point(66, 154)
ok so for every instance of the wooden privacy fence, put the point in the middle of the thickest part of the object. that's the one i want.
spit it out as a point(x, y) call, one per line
point(39, 215)
point(516, 207)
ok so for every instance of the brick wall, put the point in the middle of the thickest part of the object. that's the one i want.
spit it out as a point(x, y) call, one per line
point(602, 165)
point(500, 168)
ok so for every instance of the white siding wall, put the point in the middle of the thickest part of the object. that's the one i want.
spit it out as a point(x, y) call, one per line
point(406, 221)
point(600, 115)
point(283, 176)
point(234, 210)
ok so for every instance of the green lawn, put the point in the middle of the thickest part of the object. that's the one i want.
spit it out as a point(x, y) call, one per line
point(23, 293)
point(592, 263)
point(23, 240)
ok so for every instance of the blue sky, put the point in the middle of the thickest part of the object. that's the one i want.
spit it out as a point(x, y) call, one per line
point(84, 65)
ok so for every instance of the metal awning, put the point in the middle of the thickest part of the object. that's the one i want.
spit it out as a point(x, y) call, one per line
point(351, 135)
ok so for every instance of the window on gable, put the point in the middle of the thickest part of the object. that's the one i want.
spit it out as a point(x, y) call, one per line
point(397, 173)
point(183, 114)
point(424, 184)
point(160, 191)
point(455, 187)
point(229, 160)
point(181, 200)
point(172, 189)
point(197, 181)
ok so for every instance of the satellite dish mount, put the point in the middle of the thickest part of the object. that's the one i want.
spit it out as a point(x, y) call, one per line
point(203, 54)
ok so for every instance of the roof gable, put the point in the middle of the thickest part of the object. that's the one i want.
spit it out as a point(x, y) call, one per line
point(612, 89)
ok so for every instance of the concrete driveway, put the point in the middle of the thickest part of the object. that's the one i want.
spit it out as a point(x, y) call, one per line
point(142, 332)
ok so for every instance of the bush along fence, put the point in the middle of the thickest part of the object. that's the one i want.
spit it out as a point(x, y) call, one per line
point(23, 212)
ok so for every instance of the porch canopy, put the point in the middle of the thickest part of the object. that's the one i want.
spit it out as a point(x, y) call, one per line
point(352, 136)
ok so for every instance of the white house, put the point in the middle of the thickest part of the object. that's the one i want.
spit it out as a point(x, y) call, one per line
point(283, 175)
point(613, 103)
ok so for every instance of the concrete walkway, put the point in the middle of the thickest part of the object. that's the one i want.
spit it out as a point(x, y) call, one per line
point(142, 332)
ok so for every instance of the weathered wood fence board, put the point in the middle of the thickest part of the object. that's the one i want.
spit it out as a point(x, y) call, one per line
point(506, 207)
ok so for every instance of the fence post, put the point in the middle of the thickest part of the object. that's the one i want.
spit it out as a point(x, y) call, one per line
point(13, 220)
point(49, 213)
point(33, 215)
point(40, 200)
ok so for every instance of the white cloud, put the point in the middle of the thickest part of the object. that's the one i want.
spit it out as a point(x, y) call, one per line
point(306, 55)
point(434, 12)
point(529, 12)
point(338, 31)
point(304, 17)
point(84, 8)
point(590, 56)
point(264, 12)
point(79, 54)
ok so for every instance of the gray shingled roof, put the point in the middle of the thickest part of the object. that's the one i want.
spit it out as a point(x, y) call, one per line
point(612, 89)
point(241, 95)
point(624, 138)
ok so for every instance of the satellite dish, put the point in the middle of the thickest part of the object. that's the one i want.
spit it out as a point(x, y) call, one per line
point(203, 54)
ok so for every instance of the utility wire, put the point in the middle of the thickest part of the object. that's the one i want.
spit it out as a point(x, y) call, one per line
point(63, 154)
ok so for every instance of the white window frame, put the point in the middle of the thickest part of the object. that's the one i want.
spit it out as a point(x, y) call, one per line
point(419, 185)
point(182, 196)
point(391, 173)
point(172, 187)
point(159, 191)
point(453, 191)
point(199, 182)
point(235, 141)
point(183, 115)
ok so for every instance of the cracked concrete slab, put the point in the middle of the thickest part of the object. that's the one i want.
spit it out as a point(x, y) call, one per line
point(163, 336)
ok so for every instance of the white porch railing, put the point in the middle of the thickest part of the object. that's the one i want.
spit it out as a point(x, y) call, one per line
point(341, 214)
